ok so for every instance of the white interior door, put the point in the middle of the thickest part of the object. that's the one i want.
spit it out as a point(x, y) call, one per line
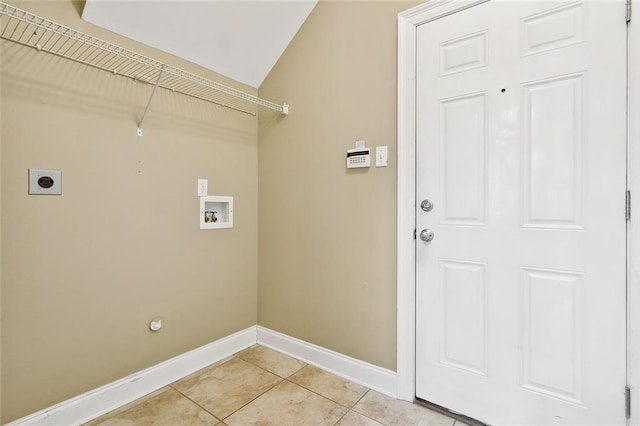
point(520, 296)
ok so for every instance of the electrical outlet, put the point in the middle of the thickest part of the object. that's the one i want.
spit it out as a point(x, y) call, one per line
point(203, 187)
point(45, 182)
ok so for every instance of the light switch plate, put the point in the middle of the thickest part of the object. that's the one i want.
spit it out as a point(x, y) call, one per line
point(45, 182)
point(381, 156)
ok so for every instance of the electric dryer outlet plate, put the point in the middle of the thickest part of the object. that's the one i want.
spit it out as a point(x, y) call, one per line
point(45, 182)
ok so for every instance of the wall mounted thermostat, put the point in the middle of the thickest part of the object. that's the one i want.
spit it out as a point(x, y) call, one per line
point(45, 182)
point(358, 157)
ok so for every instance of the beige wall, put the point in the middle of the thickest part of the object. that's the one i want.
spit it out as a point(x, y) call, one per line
point(85, 272)
point(327, 240)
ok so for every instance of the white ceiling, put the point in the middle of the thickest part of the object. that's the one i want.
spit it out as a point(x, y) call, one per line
point(240, 39)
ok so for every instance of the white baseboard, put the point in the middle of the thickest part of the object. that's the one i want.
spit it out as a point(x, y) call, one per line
point(99, 401)
point(369, 375)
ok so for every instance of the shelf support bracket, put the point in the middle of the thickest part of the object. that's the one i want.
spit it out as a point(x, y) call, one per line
point(144, 114)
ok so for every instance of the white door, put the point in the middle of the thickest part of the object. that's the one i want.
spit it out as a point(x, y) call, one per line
point(521, 309)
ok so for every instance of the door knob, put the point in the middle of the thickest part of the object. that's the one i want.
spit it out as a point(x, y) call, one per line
point(426, 235)
point(426, 205)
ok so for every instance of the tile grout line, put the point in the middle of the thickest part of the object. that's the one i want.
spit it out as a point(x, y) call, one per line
point(171, 385)
point(328, 399)
point(272, 372)
point(130, 405)
point(257, 396)
point(341, 417)
point(287, 379)
point(349, 408)
point(364, 415)
point(204, 409)
point(360, 399)
point(318, 394)
point(241, 407)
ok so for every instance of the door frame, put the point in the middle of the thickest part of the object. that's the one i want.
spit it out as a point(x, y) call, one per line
point(408, 23)
point(633, 226)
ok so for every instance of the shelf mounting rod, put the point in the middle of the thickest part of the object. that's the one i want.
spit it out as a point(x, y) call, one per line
point(144, 114)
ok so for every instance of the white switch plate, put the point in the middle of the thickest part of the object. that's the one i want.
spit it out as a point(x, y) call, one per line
point(381, 156)
point(203, 189)
point(45, 182)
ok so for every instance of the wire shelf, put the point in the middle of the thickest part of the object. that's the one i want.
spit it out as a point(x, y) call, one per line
point(31, 30)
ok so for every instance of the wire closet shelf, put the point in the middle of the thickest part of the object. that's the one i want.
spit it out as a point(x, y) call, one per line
point(31, 30)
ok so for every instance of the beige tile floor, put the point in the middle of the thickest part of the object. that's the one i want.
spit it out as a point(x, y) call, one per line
point(261, 386)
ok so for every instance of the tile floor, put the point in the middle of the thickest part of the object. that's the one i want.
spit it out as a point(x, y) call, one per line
point(261, 386)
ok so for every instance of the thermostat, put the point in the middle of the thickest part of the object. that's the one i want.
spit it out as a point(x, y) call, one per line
point(47, 182)
point(358, 157)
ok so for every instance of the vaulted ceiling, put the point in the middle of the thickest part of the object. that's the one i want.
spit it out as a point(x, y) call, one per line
point(240, 39)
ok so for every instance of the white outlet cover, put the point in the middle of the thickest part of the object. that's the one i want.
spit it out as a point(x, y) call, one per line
point(203, 189)
point(45, 182)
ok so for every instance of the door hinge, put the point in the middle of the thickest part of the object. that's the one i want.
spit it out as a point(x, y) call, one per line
point(628, 14)
point(415, 234)
point(627, 205)
point(627, 402)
